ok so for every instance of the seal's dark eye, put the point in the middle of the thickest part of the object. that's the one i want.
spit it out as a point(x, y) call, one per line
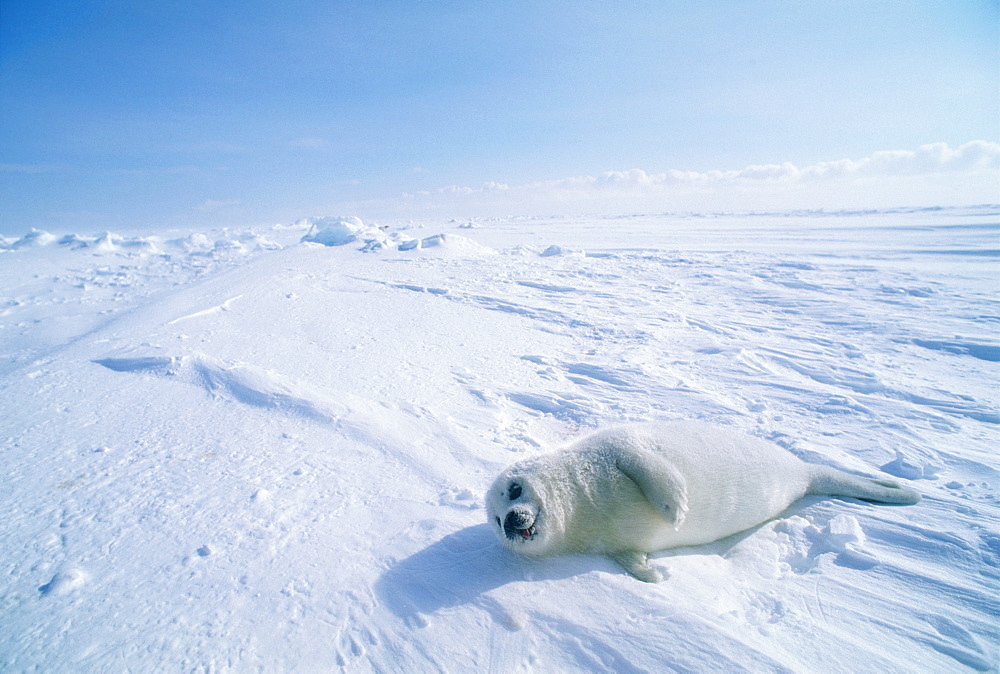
point(499, 523)
point(514, 492)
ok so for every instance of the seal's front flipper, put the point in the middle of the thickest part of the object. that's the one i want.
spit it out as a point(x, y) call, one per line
point(662, 486)
point(637, 564)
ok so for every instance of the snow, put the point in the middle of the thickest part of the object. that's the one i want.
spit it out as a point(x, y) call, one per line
point(239, 450)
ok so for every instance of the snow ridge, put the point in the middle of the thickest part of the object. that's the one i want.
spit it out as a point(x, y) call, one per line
point(239, 382)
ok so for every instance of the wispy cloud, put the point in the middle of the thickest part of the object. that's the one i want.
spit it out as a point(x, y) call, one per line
point(966, 174)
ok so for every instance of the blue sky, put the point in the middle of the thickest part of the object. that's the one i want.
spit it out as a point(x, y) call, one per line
point(115, 113)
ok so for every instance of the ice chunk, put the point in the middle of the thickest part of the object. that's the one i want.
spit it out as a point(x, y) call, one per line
point(336, 231)
point(843, 530)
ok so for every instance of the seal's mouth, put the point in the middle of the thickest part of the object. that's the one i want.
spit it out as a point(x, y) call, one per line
point(519, 525)
point(524, 533)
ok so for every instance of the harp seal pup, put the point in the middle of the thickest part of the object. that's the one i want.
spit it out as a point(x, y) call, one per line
point(627, 491)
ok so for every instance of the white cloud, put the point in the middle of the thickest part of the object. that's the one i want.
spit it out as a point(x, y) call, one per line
point(934, 174)
point(930, 159)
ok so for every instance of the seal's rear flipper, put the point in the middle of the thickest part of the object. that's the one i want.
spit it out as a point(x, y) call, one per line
point(833, 482)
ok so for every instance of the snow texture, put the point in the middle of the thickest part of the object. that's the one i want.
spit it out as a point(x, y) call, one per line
point(238, 450)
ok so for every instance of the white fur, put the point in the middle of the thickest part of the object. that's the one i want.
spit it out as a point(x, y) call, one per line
point(628, 491)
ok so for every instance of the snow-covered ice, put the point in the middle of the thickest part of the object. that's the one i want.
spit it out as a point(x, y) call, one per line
point(242, 450)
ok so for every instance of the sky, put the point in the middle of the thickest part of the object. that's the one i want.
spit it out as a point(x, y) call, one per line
point(116, 114)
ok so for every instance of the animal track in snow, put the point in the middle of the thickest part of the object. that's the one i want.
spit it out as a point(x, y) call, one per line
point(356, 635)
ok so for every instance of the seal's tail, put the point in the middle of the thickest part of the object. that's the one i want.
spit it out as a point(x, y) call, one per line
point(833, 482)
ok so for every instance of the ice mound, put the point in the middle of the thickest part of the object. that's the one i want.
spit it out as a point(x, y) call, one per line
point(555, 251)
point(112, 243)
point(447, 244)
point(76, 241)
point(238, 243)
point(338, 231)
point(108, 242)
point(33, 239)
point(195, 243)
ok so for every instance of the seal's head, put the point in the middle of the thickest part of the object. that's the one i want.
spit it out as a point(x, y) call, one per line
point(516, 511)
